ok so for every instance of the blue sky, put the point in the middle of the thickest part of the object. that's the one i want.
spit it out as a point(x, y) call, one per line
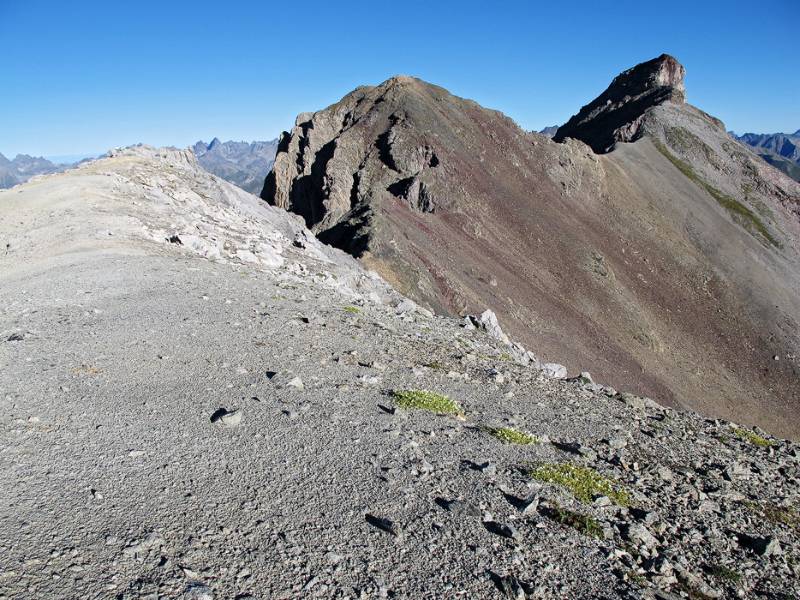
point(81, 77)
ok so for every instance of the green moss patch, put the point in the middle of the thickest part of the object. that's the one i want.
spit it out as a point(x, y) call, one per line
point(352, 309)
point(752, 437)
point(741, 214)
point(778, 515)
point(509, 435)
point(583, 482)
point(425, 400)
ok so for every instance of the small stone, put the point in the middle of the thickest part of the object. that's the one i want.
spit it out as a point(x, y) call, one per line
point(665, 473)
point(296, 383)
point(633, 401)
point(510, 587)
point(617, 443)
point(382, 523)
point(530, 505)
point(554, 371)
point(764, 546)
point(369, 379)
point(488, 322)
point(488, 468)
point(459, 507)
point(639, 533)
point(501, 529)
point(230, 418)
point(198, 591)
point(406, 306)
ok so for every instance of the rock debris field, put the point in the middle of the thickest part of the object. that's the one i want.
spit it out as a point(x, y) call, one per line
point(199, 400)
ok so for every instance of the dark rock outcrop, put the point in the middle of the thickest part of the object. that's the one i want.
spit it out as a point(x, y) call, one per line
point(370, 147)
point(638, 265)
point(616, 114)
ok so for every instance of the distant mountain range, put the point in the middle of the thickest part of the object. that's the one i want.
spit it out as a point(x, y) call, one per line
point(23, 167)
point(781, 150)
point(244, 164)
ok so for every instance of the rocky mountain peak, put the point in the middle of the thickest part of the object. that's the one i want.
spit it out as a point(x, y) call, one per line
point(461, 209)
point(617, 113)
point(664, 71)
point(379, 143)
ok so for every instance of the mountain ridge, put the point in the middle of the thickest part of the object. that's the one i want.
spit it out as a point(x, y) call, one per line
point(203, 401)
point(408, 177)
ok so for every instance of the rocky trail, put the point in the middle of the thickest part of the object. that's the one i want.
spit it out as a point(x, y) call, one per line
point(199, 400)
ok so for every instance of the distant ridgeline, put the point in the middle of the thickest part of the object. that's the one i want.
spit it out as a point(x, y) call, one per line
point(23, 167)
point(244, 164)
point(781, 150)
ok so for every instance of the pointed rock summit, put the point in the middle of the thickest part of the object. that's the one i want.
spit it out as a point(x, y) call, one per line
point(617, 113)
point(378, 146)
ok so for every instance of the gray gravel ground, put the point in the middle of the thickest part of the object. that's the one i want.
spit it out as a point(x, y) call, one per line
point(115, 482)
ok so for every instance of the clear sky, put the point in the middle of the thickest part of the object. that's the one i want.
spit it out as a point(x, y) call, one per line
point(83, 76)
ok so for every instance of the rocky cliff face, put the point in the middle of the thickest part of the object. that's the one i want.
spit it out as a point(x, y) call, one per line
point(376, 143)
point(616, 115)
point(669, 266)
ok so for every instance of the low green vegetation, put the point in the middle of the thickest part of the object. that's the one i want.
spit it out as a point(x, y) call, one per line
point(352, 309)
point(683, 138)
point(724, 574)
point(583, 482)
point(584, 524)
point(636, 578)
point(425, 400)
point(752, 437)
point(435, 365)
point(509, 435)
point(778, 515)
point(746, 217)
